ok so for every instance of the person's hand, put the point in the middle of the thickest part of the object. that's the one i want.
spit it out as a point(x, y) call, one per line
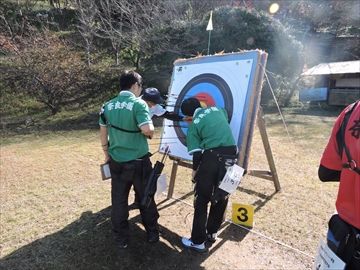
point(193, 175)
point(187, 118)
point(107, 158)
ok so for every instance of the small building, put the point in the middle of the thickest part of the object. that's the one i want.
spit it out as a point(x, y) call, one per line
point(338, 83)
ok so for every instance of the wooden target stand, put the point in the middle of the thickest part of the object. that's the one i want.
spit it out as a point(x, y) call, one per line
point(270, 175)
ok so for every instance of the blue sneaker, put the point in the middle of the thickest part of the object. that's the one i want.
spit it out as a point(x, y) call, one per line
point(189, 244)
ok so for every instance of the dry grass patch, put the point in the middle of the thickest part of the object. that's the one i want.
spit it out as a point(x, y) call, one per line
point(55, 209)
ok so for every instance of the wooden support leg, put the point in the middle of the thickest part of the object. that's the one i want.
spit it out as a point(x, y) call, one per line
point(269, 156)
point(172, 178)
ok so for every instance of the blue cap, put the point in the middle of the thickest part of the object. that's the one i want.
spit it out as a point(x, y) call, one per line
point(153, 95)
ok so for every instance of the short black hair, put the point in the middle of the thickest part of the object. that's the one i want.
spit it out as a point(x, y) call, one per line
point(128, 78)
point(189, 106)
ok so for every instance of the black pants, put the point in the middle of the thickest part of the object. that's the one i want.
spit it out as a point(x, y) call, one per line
point(124, 175)
point(207, 178)
point(342, 239)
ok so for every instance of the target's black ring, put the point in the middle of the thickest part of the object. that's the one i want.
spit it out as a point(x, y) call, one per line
point(209, 78)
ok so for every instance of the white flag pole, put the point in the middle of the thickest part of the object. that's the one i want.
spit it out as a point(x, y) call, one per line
point(209, 28)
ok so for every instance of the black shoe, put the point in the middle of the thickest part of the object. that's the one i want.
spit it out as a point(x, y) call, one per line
point(121, 244)
point(212, 237)
point(153, 238)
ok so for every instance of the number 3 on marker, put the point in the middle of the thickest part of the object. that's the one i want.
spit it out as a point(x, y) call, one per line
point(243, 214)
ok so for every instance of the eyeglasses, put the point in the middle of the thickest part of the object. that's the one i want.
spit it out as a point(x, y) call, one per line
point(140, 85)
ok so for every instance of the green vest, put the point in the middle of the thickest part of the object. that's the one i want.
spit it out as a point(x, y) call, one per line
point(129, 113)
point(209, 129)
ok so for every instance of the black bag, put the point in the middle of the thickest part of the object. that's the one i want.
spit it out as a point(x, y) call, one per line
point(342, 239)
point(219, 195)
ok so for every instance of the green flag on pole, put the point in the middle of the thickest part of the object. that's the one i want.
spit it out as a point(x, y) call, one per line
point(209, 28)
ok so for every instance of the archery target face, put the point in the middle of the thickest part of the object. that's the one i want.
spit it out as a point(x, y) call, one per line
point(222, 81)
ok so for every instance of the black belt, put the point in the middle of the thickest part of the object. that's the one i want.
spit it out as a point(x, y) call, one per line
point(227, 159)
point(218, 152)
point(143, 157)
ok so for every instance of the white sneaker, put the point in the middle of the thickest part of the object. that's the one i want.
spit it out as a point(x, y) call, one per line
point(212, 237)
point(189, 244)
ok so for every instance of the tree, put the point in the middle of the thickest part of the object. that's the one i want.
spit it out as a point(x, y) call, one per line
point(235, 29)
point(86, 12)
point(15, 17)
point(126, 22)
point(323, 25)
point(114, 24)
point(195, 10)
point(44, 68)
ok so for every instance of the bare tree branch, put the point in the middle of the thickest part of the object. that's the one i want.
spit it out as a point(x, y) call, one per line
point(86, 12)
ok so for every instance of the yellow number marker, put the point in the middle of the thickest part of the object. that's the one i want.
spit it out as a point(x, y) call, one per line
point(243, 214)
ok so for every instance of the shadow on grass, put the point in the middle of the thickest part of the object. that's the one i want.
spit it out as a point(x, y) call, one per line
point(19, 126)
point(86, 118)
point(48, 122)
point(87, 243)
point(229, 232)
point(263, 199)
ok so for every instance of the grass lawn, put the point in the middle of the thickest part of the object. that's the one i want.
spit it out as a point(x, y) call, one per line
point(55, 208)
